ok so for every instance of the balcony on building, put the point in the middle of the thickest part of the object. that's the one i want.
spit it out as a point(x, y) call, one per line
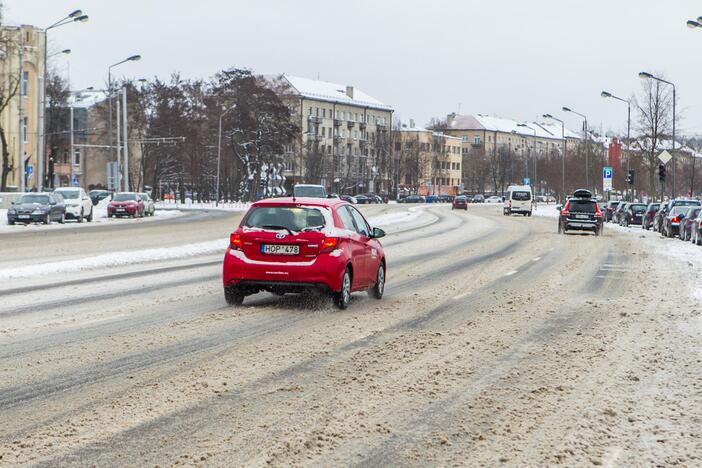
point(313, 136)
point(350, 123)
point(337, 122)
point(315, 119)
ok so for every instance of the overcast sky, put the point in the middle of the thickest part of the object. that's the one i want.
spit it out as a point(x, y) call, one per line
point(511, 58)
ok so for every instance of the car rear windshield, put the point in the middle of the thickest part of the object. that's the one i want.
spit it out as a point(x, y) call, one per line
point(678, 210)
point(686, 203)
point(317, 192)
point(293, 218)
point(69, 194)
point(638, 208)
point(521, 196)
point(124, 197)
point(582, 206)
point(40, 199)
point(613, 204)
point(654, 207)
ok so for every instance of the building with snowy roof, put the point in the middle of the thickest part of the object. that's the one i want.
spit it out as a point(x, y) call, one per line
point(344, 141)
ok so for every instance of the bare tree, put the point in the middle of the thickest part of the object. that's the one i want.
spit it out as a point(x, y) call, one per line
point(9, 88)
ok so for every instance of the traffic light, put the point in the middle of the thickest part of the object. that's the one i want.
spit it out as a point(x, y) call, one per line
point(661, 172)
point(630, 177)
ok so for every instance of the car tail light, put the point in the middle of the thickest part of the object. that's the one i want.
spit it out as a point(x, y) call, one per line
point(676, 220)
point(235, 241)
point(565, 212)
point(329, 244)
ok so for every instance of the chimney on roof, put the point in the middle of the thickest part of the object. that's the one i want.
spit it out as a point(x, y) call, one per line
point(450, 118)
point(349, 91)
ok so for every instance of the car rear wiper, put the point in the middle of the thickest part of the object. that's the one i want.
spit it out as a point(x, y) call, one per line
point(277, 228)
point(313, 228)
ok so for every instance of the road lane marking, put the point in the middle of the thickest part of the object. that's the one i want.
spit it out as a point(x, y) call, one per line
point(510, 273)
point(536, 259)
point(462, 295)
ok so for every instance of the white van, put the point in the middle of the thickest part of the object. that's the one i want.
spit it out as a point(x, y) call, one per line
point(519, 199)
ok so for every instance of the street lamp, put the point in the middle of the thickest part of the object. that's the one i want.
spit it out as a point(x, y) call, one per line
point(132, 58)
point(606, 95)
point(76, 16)
point(64, 51)
point(587, 144)
point(523, 125)
point(219, 147)
point(565, 146)
point(646, 75)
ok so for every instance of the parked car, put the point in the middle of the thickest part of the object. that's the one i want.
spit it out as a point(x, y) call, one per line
point(460, 202)
point(666, 207)
point(494, 199)
point(687, 223)
point(431, 199)
point(648, 215)
point(125, 204)
point(616, 216)
point(659, 217)
point(413, 199)
point(373, 198)
point(478, 199)
point(580, 213)
point(363, 200)
point(632, 214)
point(348, 198)
point(696, 230)
point(97, 195)
point(611, 206)
point(41, 207)
point(309, 190)
point(284, 246)
point(445, 199)
point(149, 206)
point(671, 222)
point(519, 200)
point(77, 202)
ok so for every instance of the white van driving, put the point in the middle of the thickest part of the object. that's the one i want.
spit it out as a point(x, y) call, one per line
point(519, 199)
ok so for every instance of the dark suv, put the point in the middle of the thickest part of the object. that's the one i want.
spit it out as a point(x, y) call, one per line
point(580, 213)
point(632, 214)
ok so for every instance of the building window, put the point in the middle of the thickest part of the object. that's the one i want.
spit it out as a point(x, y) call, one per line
point(476, 140)
point(24, 88)
point(76, 157)
point(25, 132)
point(324, 113)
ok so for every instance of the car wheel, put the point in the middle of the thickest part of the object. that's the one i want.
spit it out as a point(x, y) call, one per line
point(626, 223)
point(90, 216)
point(233, 296)
point(379, 287)
point(47, 219)
point(343, 297)
point(698, 241)
point(62, 219)
point(80, 217)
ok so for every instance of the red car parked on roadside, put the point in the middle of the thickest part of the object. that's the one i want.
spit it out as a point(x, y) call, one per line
point(289, 245)
point(126, 204)
point(460, 202)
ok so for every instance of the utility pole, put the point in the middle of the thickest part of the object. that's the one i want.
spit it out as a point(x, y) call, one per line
point(125, 129)
point(20, 145)
point(119, 160)
point(73, 151)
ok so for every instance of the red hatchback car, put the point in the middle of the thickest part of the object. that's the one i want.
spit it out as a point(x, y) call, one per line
point(289, 245)
point(460, 202)
point(126, 204)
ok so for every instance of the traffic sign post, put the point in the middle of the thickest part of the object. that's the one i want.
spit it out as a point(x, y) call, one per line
point(607, 173)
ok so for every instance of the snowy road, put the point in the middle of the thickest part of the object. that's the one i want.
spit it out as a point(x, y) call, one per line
point(498, 342)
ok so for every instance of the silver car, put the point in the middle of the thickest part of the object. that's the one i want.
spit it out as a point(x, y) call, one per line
point(149, 207)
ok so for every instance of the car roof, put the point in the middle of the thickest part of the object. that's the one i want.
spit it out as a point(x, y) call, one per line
point(314, 201)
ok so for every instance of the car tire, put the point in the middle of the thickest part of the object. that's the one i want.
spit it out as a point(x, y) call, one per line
point(80, 218)
point(233, 296)
point(47, 219)
point(62, 219)
point(89, 218)
point(626, 223)
point(343, 297)
point(379, 286)
point(698, 240)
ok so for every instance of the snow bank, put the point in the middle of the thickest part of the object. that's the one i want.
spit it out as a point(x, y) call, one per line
point(190, 205)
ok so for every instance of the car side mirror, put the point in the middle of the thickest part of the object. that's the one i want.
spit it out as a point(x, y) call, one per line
point(52, 203)
point(377, 233)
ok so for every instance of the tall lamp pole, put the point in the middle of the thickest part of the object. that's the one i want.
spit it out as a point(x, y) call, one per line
point(219, 147)
point(535, 156)
point(74, 16)
point(646, 75)
point(587, 145)
point(133, 58)
point(606, 94)
point(565, 146)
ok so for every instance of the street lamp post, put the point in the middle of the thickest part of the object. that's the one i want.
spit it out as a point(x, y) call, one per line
point(219, 147)
point(133, 58)
point(587, 145)
point(606, 94)
point(73, 151)
point(646, 75)
point(565, 146)
point(74, 16)
point(535, 157)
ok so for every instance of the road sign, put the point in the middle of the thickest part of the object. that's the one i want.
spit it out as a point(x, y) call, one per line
point(607, 178)
point(665, 157)
point(526, 181)
point(30, 171)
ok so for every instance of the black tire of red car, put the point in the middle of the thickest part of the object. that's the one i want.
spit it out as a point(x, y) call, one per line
point(343, 297)
point(379, 287)
point(233, 296)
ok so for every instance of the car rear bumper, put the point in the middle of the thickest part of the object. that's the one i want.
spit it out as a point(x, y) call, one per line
point(31, 218)
point(582, 225)
point(324, 272)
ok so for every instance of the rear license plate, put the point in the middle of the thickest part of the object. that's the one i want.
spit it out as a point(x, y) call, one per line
point(120, 209)
point(582, 217)
point(278, 249)
point(23, 216)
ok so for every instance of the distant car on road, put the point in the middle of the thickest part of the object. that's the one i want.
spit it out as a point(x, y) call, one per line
point(648, 215)
point(494, 199)
point(78, 204)
point(97, 195)
point(460, 202)
point(431, 199)
point(125, 204)
point(413, 199)
point(38, 207)
point(672, 220)
point(309, 190)
point(285, 246)
point(478, 199)
point(349, 198)
point(580, 213)
point(616, 216)
point(362, 200)
point(373, 198)
point(688, 222)
point(149, 206)
point(519, 200)
point(632, 214)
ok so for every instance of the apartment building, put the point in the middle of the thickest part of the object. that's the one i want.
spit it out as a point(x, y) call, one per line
point(21, 71)
point(344, 140)
point(429, 162)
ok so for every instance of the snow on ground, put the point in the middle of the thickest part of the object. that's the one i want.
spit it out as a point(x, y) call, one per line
point(547, 211)
point(190, 205)
point(99, 217)
point(398, 216)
